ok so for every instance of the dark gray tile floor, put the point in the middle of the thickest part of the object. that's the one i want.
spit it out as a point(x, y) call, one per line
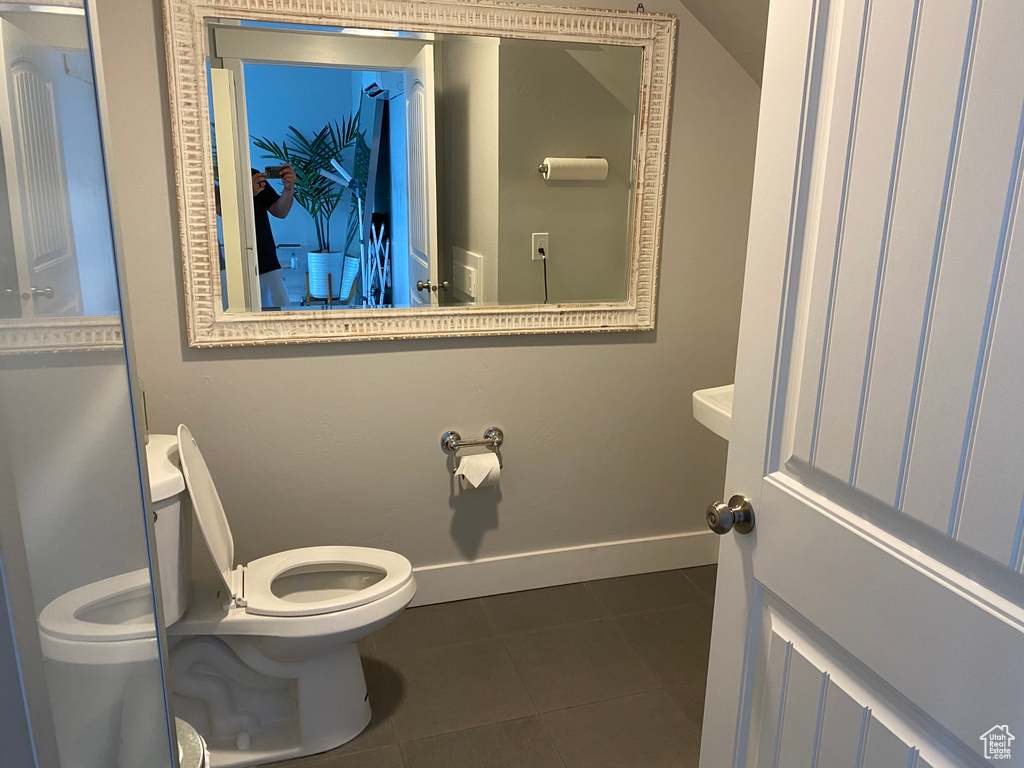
point(603, 673)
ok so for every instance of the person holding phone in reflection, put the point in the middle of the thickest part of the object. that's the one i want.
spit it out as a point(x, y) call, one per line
point(266, 201)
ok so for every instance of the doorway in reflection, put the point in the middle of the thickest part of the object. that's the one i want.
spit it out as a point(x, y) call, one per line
point(55, 241)
point(314, 209)
point(337, 246)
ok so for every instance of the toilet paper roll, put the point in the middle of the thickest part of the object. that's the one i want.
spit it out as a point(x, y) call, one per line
point(480, 471)
point(575, 169)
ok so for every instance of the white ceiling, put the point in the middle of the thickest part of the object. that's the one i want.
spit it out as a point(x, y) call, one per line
point(739, 25)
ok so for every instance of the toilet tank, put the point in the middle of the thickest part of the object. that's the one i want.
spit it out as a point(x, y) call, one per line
point(173, 524)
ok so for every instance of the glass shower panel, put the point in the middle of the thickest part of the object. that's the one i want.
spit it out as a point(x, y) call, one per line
point(74, 553)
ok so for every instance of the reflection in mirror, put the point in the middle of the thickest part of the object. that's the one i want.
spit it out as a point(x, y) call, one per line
point(56, 254)
point(357, 168)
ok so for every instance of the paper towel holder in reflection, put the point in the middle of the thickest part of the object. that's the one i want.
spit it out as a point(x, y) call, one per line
point(589, 168)
point(452, 441)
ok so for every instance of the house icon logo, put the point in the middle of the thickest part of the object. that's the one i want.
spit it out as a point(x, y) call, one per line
point(997, 742)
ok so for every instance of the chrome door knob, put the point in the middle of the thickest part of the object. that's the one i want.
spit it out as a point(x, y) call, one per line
point(35, 293)
point(737, 514)
point(427, 286)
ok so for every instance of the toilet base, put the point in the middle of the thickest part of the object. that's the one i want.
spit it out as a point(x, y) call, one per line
point(252, 708)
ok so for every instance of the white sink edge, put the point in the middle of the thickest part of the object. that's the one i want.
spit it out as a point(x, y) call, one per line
point(713, 408)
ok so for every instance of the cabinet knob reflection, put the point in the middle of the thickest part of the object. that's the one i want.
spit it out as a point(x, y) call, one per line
point(35, 293)
point(426, 286)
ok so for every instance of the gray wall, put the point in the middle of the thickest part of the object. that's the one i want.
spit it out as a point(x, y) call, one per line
point(72, 514)
point(552, 107)
point(340, 442)
point(469, 109)
point(24, 701)
point(739, 25)
point(468, 159)
point(15, 732)
point(68, 420)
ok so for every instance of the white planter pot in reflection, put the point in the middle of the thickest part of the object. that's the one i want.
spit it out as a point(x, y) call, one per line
point(320, 265)
point(342, 269)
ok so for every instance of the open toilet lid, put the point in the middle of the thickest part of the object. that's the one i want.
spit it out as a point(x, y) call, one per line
point(207, 506)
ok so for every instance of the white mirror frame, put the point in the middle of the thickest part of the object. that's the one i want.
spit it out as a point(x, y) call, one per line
point(209, 326)
point(60, 334)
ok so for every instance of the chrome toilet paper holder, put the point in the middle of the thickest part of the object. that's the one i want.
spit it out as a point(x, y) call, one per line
point(452, 442)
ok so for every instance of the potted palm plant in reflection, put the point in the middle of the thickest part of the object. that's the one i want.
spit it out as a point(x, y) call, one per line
point(332, 274)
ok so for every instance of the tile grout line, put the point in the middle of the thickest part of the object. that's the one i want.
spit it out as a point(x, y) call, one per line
point(556, 626)
point(593, 596)
point(519, 675)
point(387, 695)
point(704, 597)
point(701, 588)
point(674, 703)
point(711, 597)
point(657, 679)
point(554, 742)
point(614, 624)
point(640, 657)
point(497, 635)
point(536, 717)
point(698, 604)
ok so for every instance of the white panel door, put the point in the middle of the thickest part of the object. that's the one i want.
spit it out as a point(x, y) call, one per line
point(44, 245)
point(875, 615)
point(422, 172)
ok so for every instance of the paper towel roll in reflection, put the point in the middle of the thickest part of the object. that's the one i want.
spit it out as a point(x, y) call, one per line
point(480, 471)
point(574, 168)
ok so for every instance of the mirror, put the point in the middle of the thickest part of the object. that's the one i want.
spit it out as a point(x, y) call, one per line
point(58, 282)
point(413, 160)
point(373, 177)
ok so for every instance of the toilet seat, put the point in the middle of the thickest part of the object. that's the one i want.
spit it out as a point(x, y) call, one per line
point(106, 622)
point(298, 582)
point(346, 576)
point(112, 609)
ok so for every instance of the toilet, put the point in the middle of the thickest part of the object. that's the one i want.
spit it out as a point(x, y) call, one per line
point(262, 659)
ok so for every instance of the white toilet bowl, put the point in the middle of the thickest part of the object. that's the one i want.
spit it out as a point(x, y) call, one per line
point(263, 662)
point(103, 670)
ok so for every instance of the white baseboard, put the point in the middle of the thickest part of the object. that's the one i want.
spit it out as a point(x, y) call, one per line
point(547, 568)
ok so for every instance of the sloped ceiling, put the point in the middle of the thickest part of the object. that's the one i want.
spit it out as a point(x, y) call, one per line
point(740, 27)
